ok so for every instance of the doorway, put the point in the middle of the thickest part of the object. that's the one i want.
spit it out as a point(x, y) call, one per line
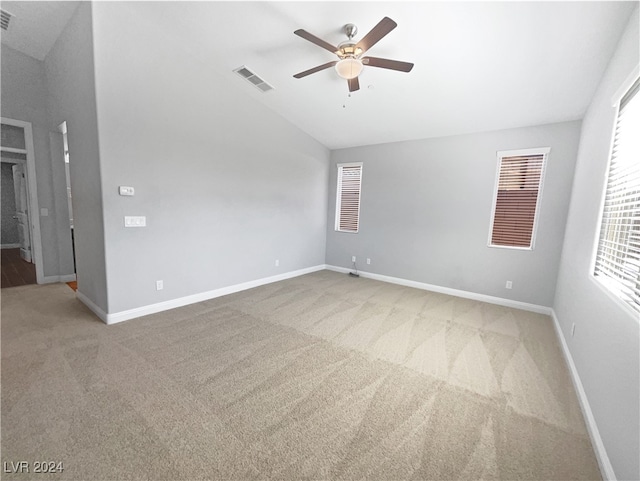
point(21, 244)
point(67, 173)
point(17, 268)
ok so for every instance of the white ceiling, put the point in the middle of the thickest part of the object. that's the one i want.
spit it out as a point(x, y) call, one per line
point(479, 66)
point(36, 26)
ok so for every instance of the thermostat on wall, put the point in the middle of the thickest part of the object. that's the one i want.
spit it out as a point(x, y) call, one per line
point(124, 190)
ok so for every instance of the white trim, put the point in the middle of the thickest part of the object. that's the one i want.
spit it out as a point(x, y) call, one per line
point(625, 86)
point(11, 149)
point(63, 278)
point(498, 246)
point(520, 152)
point(603, 194)
point(614, 298)
point(606, 469)
point(32, 201)
point(525, 306)
point(192, 299)
point(10, 246)
point(515, 153)
point(92, 306)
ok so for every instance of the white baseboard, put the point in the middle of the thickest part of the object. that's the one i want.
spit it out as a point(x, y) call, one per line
point(113, 318)
point(447, 290)
point(606, 469)
point(9, 246)
point(63, 278)
point(92, 306)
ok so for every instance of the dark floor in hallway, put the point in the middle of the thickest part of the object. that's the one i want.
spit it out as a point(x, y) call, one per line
point(15, 270)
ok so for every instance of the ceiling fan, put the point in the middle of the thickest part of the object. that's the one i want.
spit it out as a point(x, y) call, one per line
point(350, 60)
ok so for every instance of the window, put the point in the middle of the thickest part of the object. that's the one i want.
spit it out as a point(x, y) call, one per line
point(348, 197)
point(617, 264)
point(515, 206)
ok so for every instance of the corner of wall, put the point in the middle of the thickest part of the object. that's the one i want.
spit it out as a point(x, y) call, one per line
point(71, 93)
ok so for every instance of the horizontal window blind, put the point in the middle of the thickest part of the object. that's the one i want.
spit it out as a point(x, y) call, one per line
point(618, 256)
point(348, 197)
point(516, 199)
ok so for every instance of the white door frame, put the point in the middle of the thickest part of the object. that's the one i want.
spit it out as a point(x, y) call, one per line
point(32, 198)
point(12, 162)
point(21, 195)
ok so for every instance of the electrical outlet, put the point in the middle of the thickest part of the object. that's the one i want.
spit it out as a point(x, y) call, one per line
point(509, 285)
point(353, 258)
point(368, 261)
point(277, 262)
point(159, 285)
point(573, 329)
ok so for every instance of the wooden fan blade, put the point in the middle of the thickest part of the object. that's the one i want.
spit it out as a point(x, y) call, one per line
point(318, 41)
point(384, 27)
point(315, 69)
point(386, 63)
point(354, 84)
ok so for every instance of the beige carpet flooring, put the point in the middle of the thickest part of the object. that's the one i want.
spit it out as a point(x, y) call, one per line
point(317, 377)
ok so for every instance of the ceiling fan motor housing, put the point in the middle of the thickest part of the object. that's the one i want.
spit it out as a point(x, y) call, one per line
point(348, 49)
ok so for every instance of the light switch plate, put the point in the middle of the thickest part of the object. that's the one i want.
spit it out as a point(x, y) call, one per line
point(125, 190)
point(135, 221)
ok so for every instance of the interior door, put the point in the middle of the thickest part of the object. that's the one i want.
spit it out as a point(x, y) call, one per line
point(22, 211)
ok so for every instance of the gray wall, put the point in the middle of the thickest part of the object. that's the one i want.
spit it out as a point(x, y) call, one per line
point(9, 224)
point(71, 87)
point(227, 186)
point(24, 97)
point(605, 347)
point(426, 208)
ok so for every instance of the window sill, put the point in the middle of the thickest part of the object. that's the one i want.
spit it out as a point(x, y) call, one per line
point(602, 284)
point(515, 248)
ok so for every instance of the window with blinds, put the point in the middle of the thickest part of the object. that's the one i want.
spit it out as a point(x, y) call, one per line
point(617, 264)
point(348, 197)
point(516, 199)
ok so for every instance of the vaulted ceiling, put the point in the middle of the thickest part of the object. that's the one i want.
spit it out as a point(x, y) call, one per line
point(479, 66)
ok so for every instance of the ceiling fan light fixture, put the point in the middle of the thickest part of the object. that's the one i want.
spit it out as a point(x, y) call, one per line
point(349, 68)
point(348, 49)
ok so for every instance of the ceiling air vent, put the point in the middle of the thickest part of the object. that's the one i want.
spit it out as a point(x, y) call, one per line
point(5, 18)
point(251, 77)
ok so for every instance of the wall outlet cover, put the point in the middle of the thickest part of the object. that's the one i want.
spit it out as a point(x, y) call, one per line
point(126, 190)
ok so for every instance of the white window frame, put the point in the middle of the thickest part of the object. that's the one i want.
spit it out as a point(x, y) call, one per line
point(339, 197)
point(604, 284)
point(515, 153)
